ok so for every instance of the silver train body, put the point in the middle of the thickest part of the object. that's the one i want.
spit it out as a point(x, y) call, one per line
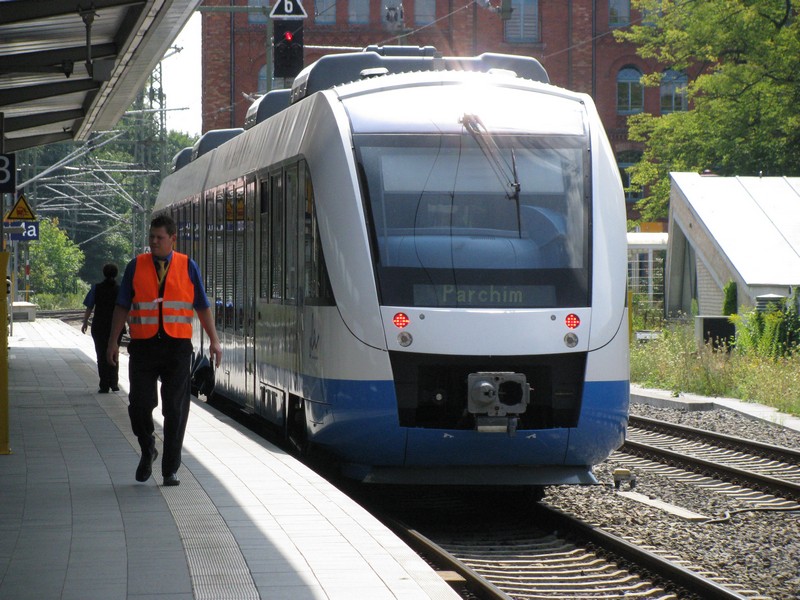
point(422, 273)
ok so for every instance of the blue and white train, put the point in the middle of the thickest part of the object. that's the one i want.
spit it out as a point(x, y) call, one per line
point(418, 265)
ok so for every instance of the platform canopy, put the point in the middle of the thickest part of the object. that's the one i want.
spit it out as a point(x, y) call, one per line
point(70, 67)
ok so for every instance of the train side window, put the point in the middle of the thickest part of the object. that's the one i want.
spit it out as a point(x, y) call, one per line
point(208, 265)
point(263, 291)
point(219, 258)
point(230, 256)
point(291, 233)
point(249, 301)
point(241, 258)
point(196, 230)
point(276, 237)
point(178, 215)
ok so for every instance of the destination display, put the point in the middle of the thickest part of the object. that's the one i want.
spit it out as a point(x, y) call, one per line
point(490, 296)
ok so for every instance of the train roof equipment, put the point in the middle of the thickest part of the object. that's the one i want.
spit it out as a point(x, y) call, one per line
point(267, 105)
point(212, 139)
point(181, 159)
point(338, 69)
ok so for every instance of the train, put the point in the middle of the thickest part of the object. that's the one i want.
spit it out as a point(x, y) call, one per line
point(417, 266)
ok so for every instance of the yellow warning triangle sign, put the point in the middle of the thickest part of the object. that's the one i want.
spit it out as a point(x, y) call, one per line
point(21, 211)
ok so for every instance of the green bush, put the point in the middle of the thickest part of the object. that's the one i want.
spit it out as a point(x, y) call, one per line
point(673, 362)
point(774, 333)
point(47, 301)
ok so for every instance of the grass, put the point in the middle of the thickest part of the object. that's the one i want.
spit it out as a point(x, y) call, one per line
point(673, 362)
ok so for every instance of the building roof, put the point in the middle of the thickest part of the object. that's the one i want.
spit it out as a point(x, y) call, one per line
point(645, 240)
point(753, 221)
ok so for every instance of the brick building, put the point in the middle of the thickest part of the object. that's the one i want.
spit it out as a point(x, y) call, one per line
point(571, 38)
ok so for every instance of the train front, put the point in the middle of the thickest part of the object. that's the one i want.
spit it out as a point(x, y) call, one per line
point(497, 225)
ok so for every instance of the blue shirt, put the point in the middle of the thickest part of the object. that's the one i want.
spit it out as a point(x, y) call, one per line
point(88, 302)
point(125, 296)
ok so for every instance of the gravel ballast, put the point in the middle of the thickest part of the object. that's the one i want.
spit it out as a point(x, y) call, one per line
point(759, 550)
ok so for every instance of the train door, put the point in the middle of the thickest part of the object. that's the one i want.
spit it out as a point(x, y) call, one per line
point(218, 244)
point(292, 294)
point(249, 262)
point(269, 397)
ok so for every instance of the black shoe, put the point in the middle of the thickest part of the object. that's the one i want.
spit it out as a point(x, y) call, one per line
point(114, 388)
point(145, 468)
point(102, 391)
point(171, 479)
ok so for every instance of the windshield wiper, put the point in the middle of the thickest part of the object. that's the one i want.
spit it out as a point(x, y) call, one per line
point(491, 151)
point(489, 147)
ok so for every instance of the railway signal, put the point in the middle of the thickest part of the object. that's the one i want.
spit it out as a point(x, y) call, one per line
point(287, 46)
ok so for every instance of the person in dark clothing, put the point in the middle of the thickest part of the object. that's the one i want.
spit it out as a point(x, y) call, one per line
point(159, 295)
point(101, 299)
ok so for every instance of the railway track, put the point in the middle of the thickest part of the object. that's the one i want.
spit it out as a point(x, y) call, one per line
point(505, 547)
point(769, 469)
point(518, 556)
point(66, 315)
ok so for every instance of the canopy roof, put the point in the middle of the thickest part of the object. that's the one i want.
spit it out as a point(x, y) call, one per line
point(70, 68)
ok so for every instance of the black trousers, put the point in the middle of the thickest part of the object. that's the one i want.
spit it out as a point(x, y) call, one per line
point(168, 360)
point(108, 373)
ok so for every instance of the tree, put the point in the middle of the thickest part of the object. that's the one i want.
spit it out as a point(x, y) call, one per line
point(745, 116)
point(54, 260)
point(112, 248)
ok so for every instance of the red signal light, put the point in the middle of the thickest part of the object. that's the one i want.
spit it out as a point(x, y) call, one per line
point(572, 320)
point(287, 36)
point(400, 320)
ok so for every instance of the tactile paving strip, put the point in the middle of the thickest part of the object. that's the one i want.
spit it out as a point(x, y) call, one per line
point(217, 567)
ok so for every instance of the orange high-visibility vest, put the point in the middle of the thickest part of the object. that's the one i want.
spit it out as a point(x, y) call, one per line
point(174, 307)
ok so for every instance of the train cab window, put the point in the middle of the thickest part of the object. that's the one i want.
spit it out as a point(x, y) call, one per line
point(276, 236)
point(449, 229)
point(316, 285)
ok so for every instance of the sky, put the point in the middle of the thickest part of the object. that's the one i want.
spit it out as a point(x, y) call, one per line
point(181, 76)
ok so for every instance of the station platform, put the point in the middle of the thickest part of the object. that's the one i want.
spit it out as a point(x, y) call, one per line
point(247, 521)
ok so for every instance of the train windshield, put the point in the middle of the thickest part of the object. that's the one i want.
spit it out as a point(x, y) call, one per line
point(482, 221)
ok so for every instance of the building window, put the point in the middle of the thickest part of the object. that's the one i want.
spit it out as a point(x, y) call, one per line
point(325, 12)
point(258, 16)
point(523, 26)
point(673, 92)
point(630, 92)
point(358, 11)
point(262, 80)
point(625, 159)
point(619, 13)
point(424, 12)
